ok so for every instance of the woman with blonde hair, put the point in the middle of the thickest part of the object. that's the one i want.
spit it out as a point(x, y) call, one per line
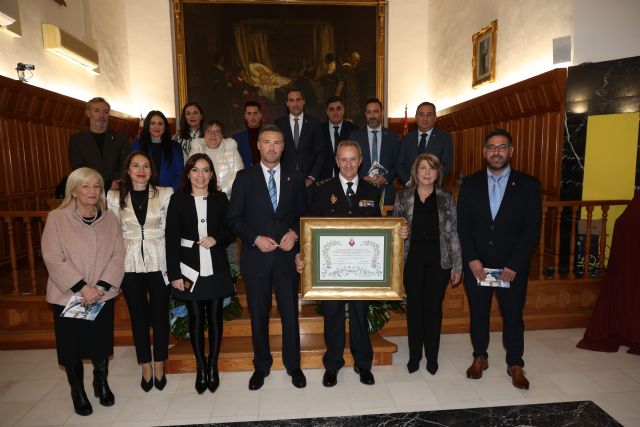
point(84, 255)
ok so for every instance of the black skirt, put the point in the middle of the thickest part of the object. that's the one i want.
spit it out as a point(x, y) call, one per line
point(206, 288)
point(78, 339)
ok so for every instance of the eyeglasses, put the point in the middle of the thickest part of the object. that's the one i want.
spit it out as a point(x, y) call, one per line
point(213, 132)
point(492, 148)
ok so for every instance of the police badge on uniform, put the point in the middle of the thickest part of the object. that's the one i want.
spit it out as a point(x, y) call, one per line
point(367, 203)
point(333, 199)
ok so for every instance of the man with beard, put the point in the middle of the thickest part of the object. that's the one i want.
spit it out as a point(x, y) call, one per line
point(377, 144)
point(247, 139)
point(334, 130)
point(499, 216)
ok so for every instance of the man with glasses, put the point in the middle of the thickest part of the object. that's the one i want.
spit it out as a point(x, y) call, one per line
point(425, 139)
point(499, 216)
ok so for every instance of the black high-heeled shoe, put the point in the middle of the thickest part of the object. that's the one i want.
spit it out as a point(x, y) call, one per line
point(100, 385)
point(202, 378)
point(214, 380)
point(160, 383)
point(146, 385)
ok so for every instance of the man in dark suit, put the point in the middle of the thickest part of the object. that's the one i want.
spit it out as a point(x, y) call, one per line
point(303, 150)
point(267, 201)
point(499, 216)
point(380, 145)
point(425, 139)
point(334, 130)
point(247, 139)
point(343, 196)
point(99, 147)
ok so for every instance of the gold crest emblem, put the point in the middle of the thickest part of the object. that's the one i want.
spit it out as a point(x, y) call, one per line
point(333, 199)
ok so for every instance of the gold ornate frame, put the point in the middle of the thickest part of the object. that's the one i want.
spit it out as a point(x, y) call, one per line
point(484, 69)
point(391, 289)
point(179, 37)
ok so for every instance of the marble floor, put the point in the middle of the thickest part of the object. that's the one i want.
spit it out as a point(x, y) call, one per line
point(34, 390)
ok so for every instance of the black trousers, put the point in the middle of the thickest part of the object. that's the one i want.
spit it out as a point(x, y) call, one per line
point(259, 301)
point(511, 301)
point(210, 311)
point(147, 297)
point(425, 283)
point(334, 334)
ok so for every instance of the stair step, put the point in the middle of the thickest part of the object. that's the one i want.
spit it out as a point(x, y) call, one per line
point(236, 353)
point(310, 322)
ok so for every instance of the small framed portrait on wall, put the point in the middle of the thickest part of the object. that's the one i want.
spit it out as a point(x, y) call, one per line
point(484, 55)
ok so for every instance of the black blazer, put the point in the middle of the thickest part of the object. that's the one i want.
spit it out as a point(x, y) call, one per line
point(508, 240)
point(329, 150)
point(83, 152)
point(387, 156)
point(308, 157)
point(251, 215)
point(182, 223)
point(439, 144)
point(331, 200)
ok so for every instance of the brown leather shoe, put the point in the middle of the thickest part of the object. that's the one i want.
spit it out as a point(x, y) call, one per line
point(517, 377)
point(479, 364)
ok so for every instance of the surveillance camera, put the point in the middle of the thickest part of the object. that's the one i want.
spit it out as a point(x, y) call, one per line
point(23, 67)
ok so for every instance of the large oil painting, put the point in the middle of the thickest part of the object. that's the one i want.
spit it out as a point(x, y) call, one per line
point(232, 52)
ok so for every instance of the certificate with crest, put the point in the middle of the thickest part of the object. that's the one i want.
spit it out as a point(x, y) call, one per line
point(352, 258)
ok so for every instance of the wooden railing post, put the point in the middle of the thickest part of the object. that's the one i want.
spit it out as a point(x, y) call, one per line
point(603, 236)
point(541, 243)
point(12, 255)
point(572, 243)
point(556, 258)
point(30, 255)
point(587, 243)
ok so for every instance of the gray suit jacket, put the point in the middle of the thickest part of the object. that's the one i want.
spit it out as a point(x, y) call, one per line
point(450, 252)
point(439, 144)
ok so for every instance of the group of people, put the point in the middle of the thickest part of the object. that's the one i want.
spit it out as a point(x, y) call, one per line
point(173, 205)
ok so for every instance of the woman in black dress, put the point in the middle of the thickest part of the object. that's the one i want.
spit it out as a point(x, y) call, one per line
point(197, 261)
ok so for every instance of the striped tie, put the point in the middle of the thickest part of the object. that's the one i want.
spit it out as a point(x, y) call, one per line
point(273, 192)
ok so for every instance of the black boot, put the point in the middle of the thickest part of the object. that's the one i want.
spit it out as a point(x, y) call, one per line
point(202, 376)
point(75, 376)
point(100, 385)
point(214, 378)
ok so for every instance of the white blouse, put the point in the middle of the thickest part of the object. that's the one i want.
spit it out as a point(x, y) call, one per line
point(206, 265)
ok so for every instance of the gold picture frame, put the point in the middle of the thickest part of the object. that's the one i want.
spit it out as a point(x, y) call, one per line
point(182, 42)
point(378, 236)
point(483, 63)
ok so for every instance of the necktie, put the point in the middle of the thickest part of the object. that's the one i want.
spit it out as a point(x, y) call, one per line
point(350, 194)
point(296, 132)
point(494, 195)
point(423, 143)
point(336, 138)
point(273, 192)
point(374, 147)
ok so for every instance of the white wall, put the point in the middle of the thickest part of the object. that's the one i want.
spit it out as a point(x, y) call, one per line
point(606, 30)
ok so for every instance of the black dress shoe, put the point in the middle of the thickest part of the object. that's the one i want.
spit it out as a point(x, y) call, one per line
point(432, 368)
point(160, 383)
point(297, 377)
point(366, 377)
point(214, 380)
point(202, 380)
point(146, 385)
point(257, 380)
point(330, 378)
point(413, 366)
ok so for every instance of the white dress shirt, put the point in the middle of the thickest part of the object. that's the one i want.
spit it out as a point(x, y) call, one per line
point(344, 181)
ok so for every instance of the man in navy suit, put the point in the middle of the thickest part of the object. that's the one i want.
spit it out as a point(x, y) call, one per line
point(334, 130)
point(303, 150)
point(267, 201)
point(99, 147)
point(425, 139)
point(499, 216)
point(377, 144)
point(247, 139)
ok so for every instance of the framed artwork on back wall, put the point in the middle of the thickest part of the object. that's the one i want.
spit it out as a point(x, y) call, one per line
point(483, 62)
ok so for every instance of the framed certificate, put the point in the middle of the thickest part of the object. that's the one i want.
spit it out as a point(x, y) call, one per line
point(352, 258)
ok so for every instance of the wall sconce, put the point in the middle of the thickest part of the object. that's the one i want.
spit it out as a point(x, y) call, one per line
point(6, 19)
point(67, 47)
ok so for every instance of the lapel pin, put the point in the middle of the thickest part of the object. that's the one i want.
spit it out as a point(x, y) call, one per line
point(288, 178)
point(333, 199)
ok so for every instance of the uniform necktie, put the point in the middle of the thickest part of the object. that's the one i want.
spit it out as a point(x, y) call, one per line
point(422, 146)
point(336, 138)
point(494, 195)
point(374, 147)
point(296, 132)
point(350, 194)
point(273, 192)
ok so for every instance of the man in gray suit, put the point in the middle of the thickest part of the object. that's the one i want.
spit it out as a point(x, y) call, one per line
point(425, 139)
point(99, 147)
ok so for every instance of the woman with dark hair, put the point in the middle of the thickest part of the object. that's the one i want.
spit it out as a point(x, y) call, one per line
point(222, 151)
point(191, 120)
point(141, 209)
point(197, 262)
point(155, 140)
point(432, 256)
point(84, 255)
